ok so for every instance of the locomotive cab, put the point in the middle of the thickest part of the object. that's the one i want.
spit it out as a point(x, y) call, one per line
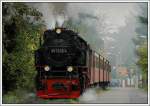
point(58, 63)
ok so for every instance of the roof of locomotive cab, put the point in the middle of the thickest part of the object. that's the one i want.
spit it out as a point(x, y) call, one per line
point(62, 29)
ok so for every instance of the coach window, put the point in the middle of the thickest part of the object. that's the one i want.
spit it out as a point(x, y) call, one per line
point(104, 65)
point(109, 68)
point(97, 63)
point(101, 63)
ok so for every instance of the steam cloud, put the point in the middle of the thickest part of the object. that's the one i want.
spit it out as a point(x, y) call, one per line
point(53, 13)
point(89, 96)
point(109, 15)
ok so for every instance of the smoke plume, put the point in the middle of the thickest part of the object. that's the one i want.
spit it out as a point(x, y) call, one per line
point(53, 13)
point(89, 96)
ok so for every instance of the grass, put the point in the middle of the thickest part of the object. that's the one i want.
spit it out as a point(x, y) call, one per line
point(144, 87)
point(57, 101)
point(14, 97)
point(23, 97)
point(74, 101)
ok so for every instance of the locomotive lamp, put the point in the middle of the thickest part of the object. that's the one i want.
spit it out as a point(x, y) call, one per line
point(70, 69)
point(46, 68)
point(58, 31)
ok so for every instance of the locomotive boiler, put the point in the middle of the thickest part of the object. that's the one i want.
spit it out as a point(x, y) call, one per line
point(66, 65)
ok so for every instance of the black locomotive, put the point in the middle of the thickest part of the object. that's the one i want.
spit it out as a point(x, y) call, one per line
point(66, 64)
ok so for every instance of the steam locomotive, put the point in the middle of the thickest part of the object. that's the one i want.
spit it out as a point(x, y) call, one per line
point(66, 65)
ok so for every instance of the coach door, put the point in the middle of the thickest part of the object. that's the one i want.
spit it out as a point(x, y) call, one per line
point(89, 64)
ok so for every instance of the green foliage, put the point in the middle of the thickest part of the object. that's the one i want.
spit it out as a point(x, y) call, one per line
point(142, 48)
point(143, 20)
point(21, 31)
point(143, 59)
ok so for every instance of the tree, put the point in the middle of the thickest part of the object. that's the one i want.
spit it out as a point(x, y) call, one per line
point(142, 48)
point(142, 52)
point(21, 29)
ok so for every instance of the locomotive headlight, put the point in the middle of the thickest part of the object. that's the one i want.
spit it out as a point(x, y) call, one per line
point(58, 31)
point(70, 69)
point(46, 68)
